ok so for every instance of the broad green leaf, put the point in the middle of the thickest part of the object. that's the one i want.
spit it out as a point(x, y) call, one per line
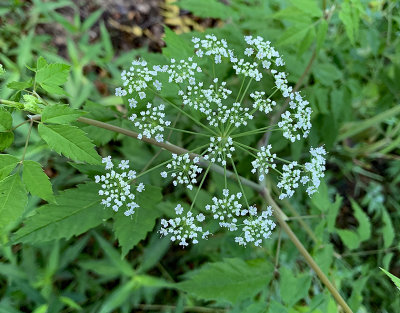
point(13, 200)
point(327, 73)
point(6, 140)
point(232, 280)
point(387, 230)
point(293, 34)
point(36, 181)
point(5, 120)
point(364, 224)
point(394, 279)
point(118, 297)
point(293, 288)
point(60, 114)
point(7, 164)
point(333, 212)
point(20, 85)
point(207, 8)
point(350, 238)
point(176, 45)
point(53, 89)
point(41, 63)
point(77, 210)
point(131, 230)
point(69, 141)
point(321, 198)
point(52, 74)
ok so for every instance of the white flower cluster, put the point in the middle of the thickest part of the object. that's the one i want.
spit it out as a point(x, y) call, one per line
point(247, 69)
point(315, 169)
point(263, 49)
point(264, 161)
point(116, 188)
point(227, 209)
point(263, 105)
point(183, 228)
point(151, 122)
point(213, 106)
point(211, 46)
point(183, 170)
point(181, 71)
point(219, 150)
point(256, 229)
point(289, 180)
point(136, 79)
point(298, 121)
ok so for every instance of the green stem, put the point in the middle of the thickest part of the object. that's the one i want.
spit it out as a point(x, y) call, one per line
point(26, 142)
point(240, 183)
point(198, 189)
point(247, 88)
point(186, 131)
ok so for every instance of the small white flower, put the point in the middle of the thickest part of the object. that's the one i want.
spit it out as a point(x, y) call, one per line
point(314, 170)
point(264, 161)
point(289, 180)
point(260, 103)
point(116, 189)
point(183, 170)
point(219, 150)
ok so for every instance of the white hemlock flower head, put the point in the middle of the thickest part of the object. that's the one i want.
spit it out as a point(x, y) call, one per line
point(314, 170)
point(219, 150)
point(256, 228)
point(183, 228)
point(137, 78)
point(264, 161)
point(218, 108)
point(263, 105)
point(289, 180)
point(116, 189)
point(183, 170)
point(227, 209)
point(211, 46)
point(183, 71)
point(151, 122)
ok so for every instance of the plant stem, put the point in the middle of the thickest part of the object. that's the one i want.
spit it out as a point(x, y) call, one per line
point(27, 142)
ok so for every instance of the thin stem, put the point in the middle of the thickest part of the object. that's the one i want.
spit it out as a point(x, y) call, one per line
point(186, 131)
point(198, 189)
point(240, 90)
point(152, 169)
point(240, 183)
point(245, 150)
point(246, 146)
point(256, 131)
point(247, 88)
point(20, 124)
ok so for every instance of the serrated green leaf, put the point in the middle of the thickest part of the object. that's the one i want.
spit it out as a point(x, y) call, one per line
point(176, 45)
point(53, 89)
point(350, 238)
point(293, 34)
point(60, 114)
point(394, 279)
point(77, 210)
point(69, 141)
point(131, 230)
point(232, 280)
point(53, 74)
point(41, 63)
point(118, 297)
point(6, 140)
point(20, 85)
point(327, 74)
point(5, 120)
point(7, 164)
point(13, 200)
point(387, 230)
point(36, 181)
point(293, 288)
point(364, 224)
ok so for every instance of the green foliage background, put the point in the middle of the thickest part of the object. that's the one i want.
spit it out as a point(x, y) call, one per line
point(70, 256)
